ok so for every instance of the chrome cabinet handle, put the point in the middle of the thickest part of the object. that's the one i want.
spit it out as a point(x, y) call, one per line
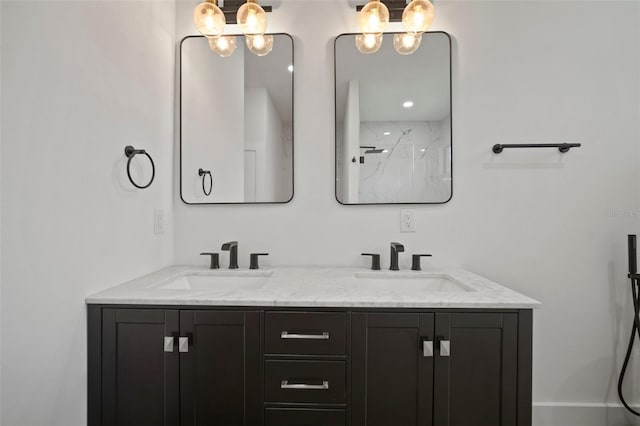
point(168, 344)
point(427, 348)
point(183, 344)
point(445, 348)
point(286, 335)
point(304, 386)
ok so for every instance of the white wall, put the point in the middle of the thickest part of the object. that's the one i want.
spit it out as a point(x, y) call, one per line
point(275, 154)
point(213, 126)
point(537, 221)
point(0, 216)
point(80, 80)
point(255, 114)
point(350, 146)
point(264, 134)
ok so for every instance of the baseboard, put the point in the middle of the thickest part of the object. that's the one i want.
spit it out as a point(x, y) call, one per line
point(582, 414)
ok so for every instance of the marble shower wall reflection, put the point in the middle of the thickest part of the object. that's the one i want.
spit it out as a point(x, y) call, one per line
point(415, 165)
point(393, 123)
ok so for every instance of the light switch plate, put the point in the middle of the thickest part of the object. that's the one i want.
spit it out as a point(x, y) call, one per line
point(158, 221)
point(407, 220)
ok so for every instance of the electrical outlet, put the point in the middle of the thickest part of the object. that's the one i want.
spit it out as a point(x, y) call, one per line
point(158, 221)
point(408, 220)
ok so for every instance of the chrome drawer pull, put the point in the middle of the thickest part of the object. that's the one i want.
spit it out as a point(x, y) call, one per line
point(427, 348)
point(445, 348)
point(287, 335)
point(168, 344)
point(303, 386)
point(183, 344)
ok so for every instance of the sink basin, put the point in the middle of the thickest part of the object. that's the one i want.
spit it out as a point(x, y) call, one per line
point(221, 281)
point(410, 282)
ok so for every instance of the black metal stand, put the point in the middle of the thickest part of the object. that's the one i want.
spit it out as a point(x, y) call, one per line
point(131, 152)
point(562, 147)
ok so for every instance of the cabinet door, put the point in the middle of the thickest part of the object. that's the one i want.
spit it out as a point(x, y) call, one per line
point(476, 383)
point(392, 379)
point(139, 379)
point(219, 375)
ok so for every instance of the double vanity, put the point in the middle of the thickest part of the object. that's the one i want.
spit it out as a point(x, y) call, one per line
point(309, 346)
point(312, 346)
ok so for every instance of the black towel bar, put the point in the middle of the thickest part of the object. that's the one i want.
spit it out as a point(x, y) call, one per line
point(562, 147)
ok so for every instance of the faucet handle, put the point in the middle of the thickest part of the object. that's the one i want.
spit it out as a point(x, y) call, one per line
point(415, 261)
point(214, 260)
point(253, 260)
point(397, 247)
point(375, 260)
point(229, 245)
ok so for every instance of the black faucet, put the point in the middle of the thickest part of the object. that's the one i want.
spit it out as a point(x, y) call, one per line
point(375, 260)
point(415, 263)
point(253, 260)
point(395, 249)
point(232, 248)
point(214, 260)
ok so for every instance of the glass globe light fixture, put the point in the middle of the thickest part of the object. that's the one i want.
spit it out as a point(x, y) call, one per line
point(418, 16)
point(209, 19)
point(368, 43)
point(252, 18)
point(260, 44)
point(373, 18)
point(406, 43)
point(224, 46)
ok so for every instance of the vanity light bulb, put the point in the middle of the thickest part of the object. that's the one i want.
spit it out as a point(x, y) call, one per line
point(224, 46)
point(209, 19)
point(252, 18)
point(373, 18)
point(406, 43)
point(368, 43)
point(418, 16)
point(260, 44)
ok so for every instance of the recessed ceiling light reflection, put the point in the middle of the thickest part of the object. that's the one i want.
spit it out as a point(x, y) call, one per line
point(386, 133)
point(423, 149)
point(290, 68)
point(385, 150)
point(408, 104)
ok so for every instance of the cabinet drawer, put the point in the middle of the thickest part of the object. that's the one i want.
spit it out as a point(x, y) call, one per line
point(303, 417)
point(305, 333)
point(319, 382)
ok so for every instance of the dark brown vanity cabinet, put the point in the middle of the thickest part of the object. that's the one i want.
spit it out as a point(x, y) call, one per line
point(220, 374)
point(139, 381)
point(441, 369)
point(392, 383)
point(173, 367)
point(297, 367)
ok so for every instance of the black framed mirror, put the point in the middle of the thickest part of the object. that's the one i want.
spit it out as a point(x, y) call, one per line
point(236, 123)
point(393, 121)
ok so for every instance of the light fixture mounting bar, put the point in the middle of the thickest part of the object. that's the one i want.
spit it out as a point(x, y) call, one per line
point(396, 7)
point(230, 9)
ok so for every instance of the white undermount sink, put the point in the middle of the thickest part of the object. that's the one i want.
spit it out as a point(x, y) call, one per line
point(409, 282)
point(220, 281)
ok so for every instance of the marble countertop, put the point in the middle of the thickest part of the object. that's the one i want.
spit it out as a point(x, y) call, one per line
point(313, 287)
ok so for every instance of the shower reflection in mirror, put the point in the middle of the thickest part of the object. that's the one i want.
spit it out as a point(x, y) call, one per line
point(393, 112)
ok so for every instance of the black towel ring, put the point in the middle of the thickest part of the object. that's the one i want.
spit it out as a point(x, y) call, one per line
point(203, 173)
point(131, 152)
